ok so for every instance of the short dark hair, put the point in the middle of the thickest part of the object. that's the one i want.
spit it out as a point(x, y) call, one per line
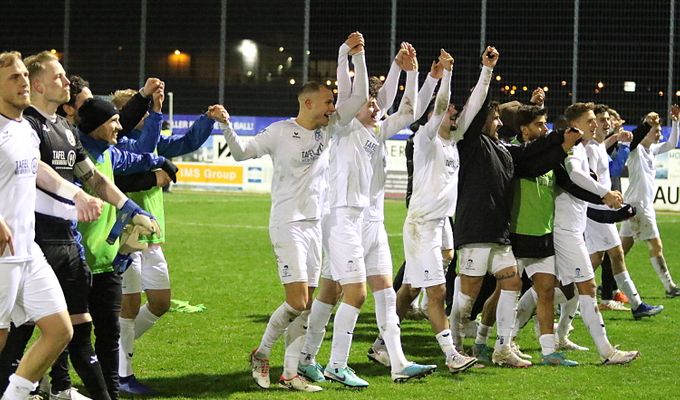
point(374, 85)
point(75, 87)
point(574, 111)
point(600, 109)
point(527, 114)
point(311, 87)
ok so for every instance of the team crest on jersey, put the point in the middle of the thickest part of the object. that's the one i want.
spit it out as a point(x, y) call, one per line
point(317, 135)
point(70, 138)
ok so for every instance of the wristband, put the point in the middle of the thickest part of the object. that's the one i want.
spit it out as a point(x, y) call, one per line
point(67, 190)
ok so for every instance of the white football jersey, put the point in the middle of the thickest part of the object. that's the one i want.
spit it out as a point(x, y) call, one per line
point(570, 212)
point(598, 162)
point(19, 157)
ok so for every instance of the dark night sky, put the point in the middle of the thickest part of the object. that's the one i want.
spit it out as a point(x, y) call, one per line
point(619, 40)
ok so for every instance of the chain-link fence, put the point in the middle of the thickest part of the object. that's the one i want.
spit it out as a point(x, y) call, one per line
point(251, 55)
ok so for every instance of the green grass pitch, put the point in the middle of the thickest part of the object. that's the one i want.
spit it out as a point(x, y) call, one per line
point(219, 254)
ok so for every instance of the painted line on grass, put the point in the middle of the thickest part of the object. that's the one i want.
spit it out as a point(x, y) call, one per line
point(232, 226)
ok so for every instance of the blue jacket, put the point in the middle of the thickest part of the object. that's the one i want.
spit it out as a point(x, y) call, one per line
point(618, 163)
point(167, 146)
point(124, 162)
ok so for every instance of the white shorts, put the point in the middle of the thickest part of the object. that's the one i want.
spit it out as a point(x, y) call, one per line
point(342, 239)
point(422, 249)
point(148, 271)
point(479, 258)
point(377, 255)
point(572, 261)
point(643, 225)
point(29, 291)
point(297, 248)
point(447, 235)
point(532, 266)
point(601, 237)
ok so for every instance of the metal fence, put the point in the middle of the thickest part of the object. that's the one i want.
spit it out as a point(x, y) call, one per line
point(251, 55)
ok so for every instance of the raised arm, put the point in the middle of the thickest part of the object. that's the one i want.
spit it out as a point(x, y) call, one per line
point(427, 90)
point(388, 91)
point(242, 149)
point(193, 138)
point(346, 111)
point(342, 72)
point(479, 93)
point(429, 131)
point(672, 141)
point(405, 115)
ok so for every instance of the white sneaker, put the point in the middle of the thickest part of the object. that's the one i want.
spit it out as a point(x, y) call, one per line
point(68, 394)
point(379, 356)
point(298, 383)
point(618, 357)
point(514, 347)
point(259, 368)
point(566, 344)
point(612, 305)
point(506, 357)
point(459, 363)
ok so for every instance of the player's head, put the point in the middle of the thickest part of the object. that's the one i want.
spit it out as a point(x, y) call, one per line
point(615, 119)
point(449, 122)
point(493, 121)
point(316, 104)
point(99, 119)
point(14, 85)
point(603, 120)
point(80, 91)
point(369, 113)
point(120, 98)
point(581, 116)
point(532, 122)
point(49, 83)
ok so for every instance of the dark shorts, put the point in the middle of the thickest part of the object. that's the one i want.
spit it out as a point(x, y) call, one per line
point(73, 274)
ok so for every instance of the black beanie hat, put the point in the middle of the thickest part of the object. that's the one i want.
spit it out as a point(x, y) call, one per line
point(94, 112)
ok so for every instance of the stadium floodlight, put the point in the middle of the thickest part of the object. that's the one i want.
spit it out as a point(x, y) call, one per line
point(629, 86)
point(249, 51)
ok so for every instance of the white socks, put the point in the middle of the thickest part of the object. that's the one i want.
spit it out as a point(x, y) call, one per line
point(567, 312)
point(446, 343)
point(625, 283)
point(278, 322)
point(130, 330)
point(482, 333)
point(316, 330)
point(19, 388)
point(506, 314)
point(294, 339)
point(547, 342)
point(462, 307)
point(127, 346)
point(343, 329)
point(659, 264)
point(593, 321)
point(525, 309)
point(144, 320)
point(388, 324)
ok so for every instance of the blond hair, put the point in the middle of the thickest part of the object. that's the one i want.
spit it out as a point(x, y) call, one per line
point(119, 98)
point(8, 58)
point(36, 63)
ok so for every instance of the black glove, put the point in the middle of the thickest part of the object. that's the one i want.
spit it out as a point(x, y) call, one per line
point(612, 216)
point(171, 169)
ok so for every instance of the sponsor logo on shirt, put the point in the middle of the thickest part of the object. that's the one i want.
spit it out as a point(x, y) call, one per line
point(26, 167)
point(451, 164)
point(370, 147)
point(70, 138)
point(62, 159)
point(309, 156)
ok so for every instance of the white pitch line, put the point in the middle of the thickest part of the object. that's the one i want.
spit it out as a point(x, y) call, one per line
point(232, 226)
